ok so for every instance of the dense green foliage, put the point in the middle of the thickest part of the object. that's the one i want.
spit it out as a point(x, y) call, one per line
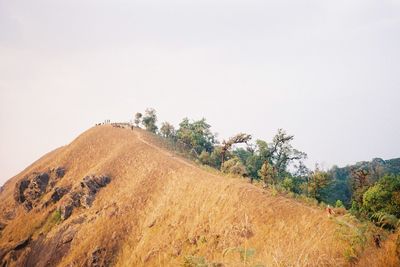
point(347, 185)
point(149, 120)
point(318, 180)
point(383, 197)
point(196, 135)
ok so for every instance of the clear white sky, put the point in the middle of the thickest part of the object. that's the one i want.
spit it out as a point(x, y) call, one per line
point(326, 71)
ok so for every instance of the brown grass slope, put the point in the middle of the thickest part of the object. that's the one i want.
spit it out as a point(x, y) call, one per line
point(161, 210)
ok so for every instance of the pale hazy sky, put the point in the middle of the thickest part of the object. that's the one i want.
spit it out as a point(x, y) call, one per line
point(326, 71)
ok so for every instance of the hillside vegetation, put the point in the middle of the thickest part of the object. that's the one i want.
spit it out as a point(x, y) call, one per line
point(124, 200)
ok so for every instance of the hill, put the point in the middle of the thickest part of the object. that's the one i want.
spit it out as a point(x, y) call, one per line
point(115, 196)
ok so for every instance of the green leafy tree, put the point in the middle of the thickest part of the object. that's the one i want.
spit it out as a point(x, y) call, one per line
point(138, 117)
point(196, 135)
point(254, 158)
point(281, 152)
point(288, 184)
point(215, 157)
point(317, 181)
point(149, 120)
point(383, 196)
point(167, 130)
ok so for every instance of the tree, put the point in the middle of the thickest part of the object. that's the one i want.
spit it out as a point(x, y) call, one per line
point(215, 157)
point(300, 178)
point(138, 117)
point(149, 120)
point(383, 196)
point(281, 153)
point(288, 184)
point(167, 130)
point(196, 135)
point(253, 157)
point(205, 158)
point(317, 181)
point(359, 182)
point(268, 173)
point(226, 145)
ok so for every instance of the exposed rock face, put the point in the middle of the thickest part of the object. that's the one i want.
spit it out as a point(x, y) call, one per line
point(20, 187)
point(66, 210)
point(2, 226)
point(90, 186)
point(36, 187)
point(83, 195)
point(29, 190)
point(58, 193)
point(60, 172)
point(50, 248)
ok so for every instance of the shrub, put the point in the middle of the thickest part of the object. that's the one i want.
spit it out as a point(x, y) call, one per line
point(339, 204)
point(385, 220)
point(234, 166)
point(383, 196)
point(204, 157)
point(288, 184)
point(52, 220)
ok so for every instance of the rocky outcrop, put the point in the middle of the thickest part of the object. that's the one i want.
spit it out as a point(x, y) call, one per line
point(51, 248)
point(31, 188)
point(58, 193)
point(10, 255)
point(83, 195)
point(66, 210)
point(20, 188)
point(2, 226)
point(89, 188)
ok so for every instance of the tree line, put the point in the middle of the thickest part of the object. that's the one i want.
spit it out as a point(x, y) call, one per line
point(277, 164)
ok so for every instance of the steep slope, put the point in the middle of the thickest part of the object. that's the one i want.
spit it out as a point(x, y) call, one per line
point(114, 197)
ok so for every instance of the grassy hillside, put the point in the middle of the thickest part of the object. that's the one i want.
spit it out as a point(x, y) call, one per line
point(161, 210)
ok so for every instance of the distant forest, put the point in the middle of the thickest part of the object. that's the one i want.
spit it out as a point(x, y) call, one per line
point(369, 190)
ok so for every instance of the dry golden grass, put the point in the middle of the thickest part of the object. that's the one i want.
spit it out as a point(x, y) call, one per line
point(162, 210)
point(384, 256)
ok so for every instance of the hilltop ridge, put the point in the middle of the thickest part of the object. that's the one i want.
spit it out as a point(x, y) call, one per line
point(124, 200)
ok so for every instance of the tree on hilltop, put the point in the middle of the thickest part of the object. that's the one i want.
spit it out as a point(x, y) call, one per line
point(138, 117)
point(318, 180)
point(149, 120)
point(196, 135)
point(167, 130)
